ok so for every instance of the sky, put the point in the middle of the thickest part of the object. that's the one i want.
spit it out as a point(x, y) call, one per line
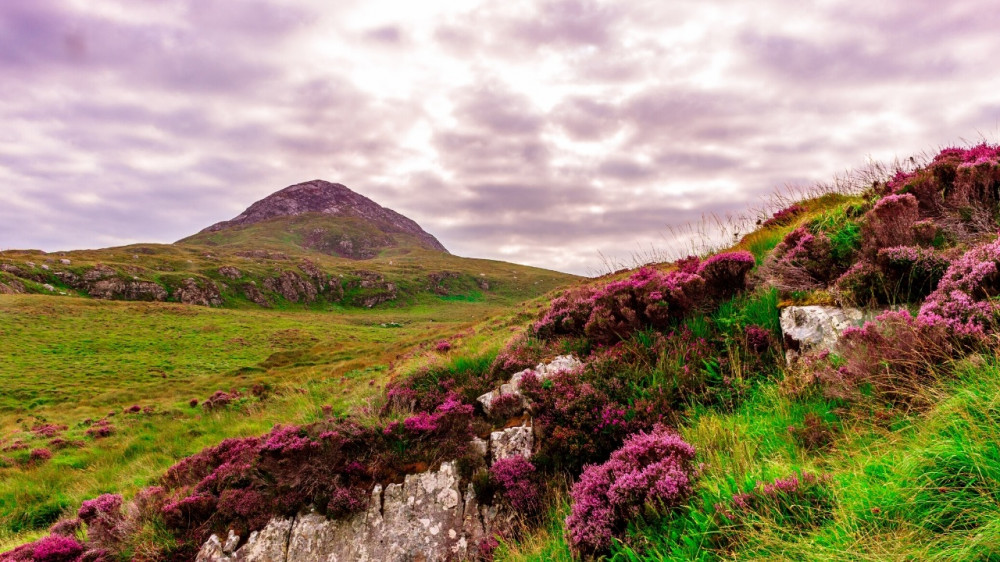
point(567, 134)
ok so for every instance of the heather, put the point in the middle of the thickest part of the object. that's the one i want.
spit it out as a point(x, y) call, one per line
point(685, 434)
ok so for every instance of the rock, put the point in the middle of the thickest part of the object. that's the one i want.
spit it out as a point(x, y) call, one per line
point(99, 272)
point(292, 287)
point(206, 294)
point(119, 289)
point(230, 272)
point(65, 261)
point(511, 442)
point(815, 328)
point(426, 517)
point(255, 295)
point(45, 267)
point(11, 288)
point(12, 269)
point(48, 287)
point(375, 290)
point(560, 364)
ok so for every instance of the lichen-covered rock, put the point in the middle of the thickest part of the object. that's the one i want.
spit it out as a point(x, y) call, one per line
point(371, 289)
point(204, 294)
point(511, 442)
point(543, 371)
point(814, 328)
point(120, 289)
point(426, 517)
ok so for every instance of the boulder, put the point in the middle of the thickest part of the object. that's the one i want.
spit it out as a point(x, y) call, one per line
point(511, 442)
point(230, 272)
point(292, 287)
point(815, 328)
point(204, 294)
point(119, 289)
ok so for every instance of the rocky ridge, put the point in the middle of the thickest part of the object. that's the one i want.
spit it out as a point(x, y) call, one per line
point(332, 199)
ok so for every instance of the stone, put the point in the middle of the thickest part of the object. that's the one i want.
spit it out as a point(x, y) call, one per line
point(204, 294)
point(119, 289)
point(543, 371)
point(98, 272)
point(48, 287)
point(65, 261)
point(230, 272)
point(815, 328)
point(511, 442)
point(292, 287)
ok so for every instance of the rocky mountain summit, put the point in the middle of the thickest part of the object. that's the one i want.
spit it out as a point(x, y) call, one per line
point(332, 200)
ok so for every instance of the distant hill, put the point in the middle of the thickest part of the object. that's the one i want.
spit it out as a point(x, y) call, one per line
point(319, 216)
point(315, 244)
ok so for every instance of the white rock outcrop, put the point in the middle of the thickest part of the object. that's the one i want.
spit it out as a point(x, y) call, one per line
point(543, 371)
point(816, 328)
point(428, 517)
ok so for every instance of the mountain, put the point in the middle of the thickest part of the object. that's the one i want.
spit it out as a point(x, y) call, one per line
point(319, 216)
point(316, 244)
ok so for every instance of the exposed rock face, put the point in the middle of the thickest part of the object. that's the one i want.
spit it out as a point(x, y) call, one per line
point(543, 371)
point(119, 289)
point(11, 288)
point(814, 328)
point(375, 289)
point(255, 295)
point(98, 272)
point(428, 517)
point(327, 198)
point(204, 294)
point(230, 272)
point(292, 287)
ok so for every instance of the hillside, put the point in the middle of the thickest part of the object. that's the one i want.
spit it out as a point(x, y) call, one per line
point(824, 389)
point(311, 245)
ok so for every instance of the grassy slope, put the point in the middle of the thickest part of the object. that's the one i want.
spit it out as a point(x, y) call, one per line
point(913, 485)
point(66, 360)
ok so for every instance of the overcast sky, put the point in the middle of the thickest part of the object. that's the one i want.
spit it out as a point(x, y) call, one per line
point(545, 133)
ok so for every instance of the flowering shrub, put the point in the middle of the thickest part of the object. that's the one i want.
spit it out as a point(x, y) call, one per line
point(650, 469)
point(890, 223)
point(53, 548)
point(515, 483)
point(219, 399)
point(801, 261)
point(443, 346)
point(962, 300)
point(104, 518)
point(896, 354)
point(784, 216)
point(102, 428)
point(898, 274)
point(39, 455)
point(575, 421)
point(47, 430)
point(800, 500)
point(648, 298)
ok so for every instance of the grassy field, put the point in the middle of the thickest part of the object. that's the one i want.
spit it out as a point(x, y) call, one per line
point(72, 362)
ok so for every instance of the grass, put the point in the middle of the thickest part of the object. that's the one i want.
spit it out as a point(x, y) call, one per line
point(65, 361)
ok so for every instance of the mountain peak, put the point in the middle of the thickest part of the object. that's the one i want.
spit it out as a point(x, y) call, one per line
point(319, 197)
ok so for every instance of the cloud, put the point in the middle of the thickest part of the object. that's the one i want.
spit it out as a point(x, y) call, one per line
point(541, 132)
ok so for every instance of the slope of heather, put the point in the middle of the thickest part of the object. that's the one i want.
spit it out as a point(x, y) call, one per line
point(695, 429)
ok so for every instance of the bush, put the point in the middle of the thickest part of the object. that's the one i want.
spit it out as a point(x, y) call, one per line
point(798, 501)
point(962, 301)
point(784, 216)
point(104, 519)
point(890, 223)
point(649, 470)
point(515, 482)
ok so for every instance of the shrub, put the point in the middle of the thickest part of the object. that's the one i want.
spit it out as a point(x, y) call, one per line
point(443, 346)
point(40, 455)
point(890, 223)
point(47, 430)
point(784, 216)
point(101, 429)
point(798, 501)
point(896, 355)
point(814, 434)
point(725, 274)
point(53, 548)
point(962, 301)
point(801, 261)
point(104, 519)
point(651, 469)
point(515, 482)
